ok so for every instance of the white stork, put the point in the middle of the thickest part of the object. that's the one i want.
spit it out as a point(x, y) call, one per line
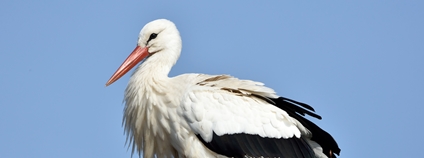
point(202, 116)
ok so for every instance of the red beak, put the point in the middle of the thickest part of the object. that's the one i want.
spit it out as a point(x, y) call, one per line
point(133, 59)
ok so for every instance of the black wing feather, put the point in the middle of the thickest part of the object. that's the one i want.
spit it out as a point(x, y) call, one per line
point(246, 145)
point(324, 139)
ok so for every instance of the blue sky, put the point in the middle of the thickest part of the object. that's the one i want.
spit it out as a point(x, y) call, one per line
point(360, 64)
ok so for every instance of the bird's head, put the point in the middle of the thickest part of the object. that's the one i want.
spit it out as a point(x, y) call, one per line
point(157, 37)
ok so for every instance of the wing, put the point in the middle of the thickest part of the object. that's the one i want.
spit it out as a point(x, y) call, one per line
point(239, 118)
point(295, 110)
point(246, 145)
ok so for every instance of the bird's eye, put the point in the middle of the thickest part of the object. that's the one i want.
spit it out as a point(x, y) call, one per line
point(152, 36)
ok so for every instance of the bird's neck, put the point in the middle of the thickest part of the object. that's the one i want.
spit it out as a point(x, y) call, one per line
point(152, 74)
point(157, 66)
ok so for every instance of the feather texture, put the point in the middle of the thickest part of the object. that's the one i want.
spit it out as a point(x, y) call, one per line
point(233, 109)
point(323, 140)
point(246, 145)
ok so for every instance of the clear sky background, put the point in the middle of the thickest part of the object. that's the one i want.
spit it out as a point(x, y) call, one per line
point(360, 64)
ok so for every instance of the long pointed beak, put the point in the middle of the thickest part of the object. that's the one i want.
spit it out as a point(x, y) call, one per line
point(132, 60)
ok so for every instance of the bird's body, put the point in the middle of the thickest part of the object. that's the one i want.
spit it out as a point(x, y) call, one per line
point(198, 115)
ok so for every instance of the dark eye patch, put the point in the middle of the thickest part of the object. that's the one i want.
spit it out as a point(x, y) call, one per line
point(152, 36)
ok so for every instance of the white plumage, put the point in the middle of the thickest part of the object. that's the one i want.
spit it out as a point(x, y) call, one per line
point(198, 115)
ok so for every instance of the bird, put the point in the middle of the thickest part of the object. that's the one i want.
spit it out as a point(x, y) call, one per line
point(201, 116)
